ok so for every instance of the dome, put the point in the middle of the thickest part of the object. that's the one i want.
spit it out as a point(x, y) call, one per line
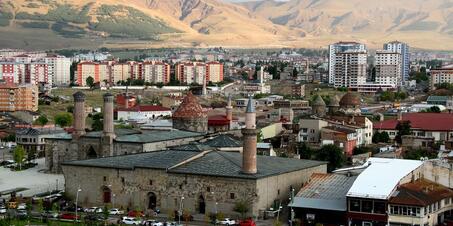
point(318, 101)
point(350, 99)
point(189, 108)
point(334, 101)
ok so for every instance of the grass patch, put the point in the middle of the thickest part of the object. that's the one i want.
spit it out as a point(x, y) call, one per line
point(68, 31)
point(39, 25)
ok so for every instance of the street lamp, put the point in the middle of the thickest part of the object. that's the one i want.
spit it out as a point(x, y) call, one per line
point(76, 200)
point(180, 210)
point(215, 208)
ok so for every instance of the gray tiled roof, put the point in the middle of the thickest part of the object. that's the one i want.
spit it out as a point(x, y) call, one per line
point(156, 136)
point(153, 160)
point(39, 131)
point(118, 132)
point(192, 147)
point(214, 163)
point(223, 141)
point(228, 164)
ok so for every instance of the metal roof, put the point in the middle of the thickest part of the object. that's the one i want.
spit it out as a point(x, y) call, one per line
point(325, 191)
point(223, 141)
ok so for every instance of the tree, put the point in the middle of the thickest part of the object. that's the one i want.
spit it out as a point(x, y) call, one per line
point(361, 150)
point(41, 120)
point(295, 72)
point(97, 125)
point(304, 151)
point(241, 207)
point(433, 109)
point(416, 154)
point(404, 128)
point(90, 81)
point(333, 155)
point(63, 119)
point(19, 155)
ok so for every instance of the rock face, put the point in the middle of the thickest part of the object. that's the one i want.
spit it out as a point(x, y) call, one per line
point(190, 116)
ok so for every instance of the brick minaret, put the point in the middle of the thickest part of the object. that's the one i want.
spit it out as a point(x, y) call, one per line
point(229, 109)
point(79, 114)
point(249, 134)
point(108, 116)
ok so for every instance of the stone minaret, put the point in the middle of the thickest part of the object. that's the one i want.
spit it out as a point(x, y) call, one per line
point(249, 134)
point(204, 91)
point(79, 115)
point(229, 109)
point(108, 116)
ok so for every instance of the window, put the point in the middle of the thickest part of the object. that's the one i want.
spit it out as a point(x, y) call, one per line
point(354, 205)
point(278, 192)
point(122, 180)
point(231, 195)
point(180, 186)
point(105, 178)
point(208, 189)
point(150, 182)
point(367, 206)
point(379, 207)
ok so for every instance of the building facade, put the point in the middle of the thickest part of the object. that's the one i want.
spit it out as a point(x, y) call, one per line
point(403, 49)
point(339, 48)
point(438, 76)
point(350, 68)
point(388, 68)
point(18, 98)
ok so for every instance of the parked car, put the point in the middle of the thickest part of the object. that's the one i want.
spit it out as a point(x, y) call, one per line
point(69, 216)
point(172, 224)
point(130, 221)
point(2, 210)
point(94, 210)
point(151, 223)
point(248, 222)
point(72, 208)
point(49, 214)
point(94, 217)
point(22, 206)
point(227, 221)
point(116, 211)
point(135, 213)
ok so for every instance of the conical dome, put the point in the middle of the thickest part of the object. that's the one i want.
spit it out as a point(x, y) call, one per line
point(334, 102)
point(189, 108)
point(350, 99)
point(318, 101)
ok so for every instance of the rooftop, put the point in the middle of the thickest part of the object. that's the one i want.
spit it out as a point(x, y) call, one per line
point(40, 131)
point(381, 177)
point(209, 163)
point(325, 191)
point(420, 193)
point(223, 141)
point(141, 108)
point(423, 121)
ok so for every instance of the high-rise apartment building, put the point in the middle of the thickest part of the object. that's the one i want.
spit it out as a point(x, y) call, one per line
point(388, 68)
point(156, 72)
point(441, 75)
point(403, 49)
point(350, 68)
point(337, 48)
point(214, 72)
point(197, 72)
point(59, 69)
point(18, 97)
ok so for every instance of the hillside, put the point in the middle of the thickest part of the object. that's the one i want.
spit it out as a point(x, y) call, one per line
point(49, 24)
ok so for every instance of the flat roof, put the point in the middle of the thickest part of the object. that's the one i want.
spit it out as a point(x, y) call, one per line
point(381, 177)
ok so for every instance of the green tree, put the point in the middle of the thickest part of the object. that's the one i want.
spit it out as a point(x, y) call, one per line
point(381, 137)
point(333, 155)
point(19, 155)
point(304, 151)
point(97, 125)
point(362, 150)
point(416, 154)
point(41, 120)
point(404, 128)
point(63, 119)
point(89, 81)
point(242, 207)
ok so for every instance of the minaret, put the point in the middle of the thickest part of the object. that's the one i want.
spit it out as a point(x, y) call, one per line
point(229, 109)
point(79, 115)
point(262, 74)
point(249, 134)
point(108, 116)
point(204, 91)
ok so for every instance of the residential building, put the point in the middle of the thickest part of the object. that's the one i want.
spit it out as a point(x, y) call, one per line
point(198, 72)
point(339, 48)
point(10, 72)
point(33, 139)
point(18, 97)
point(343, 137)
point(441, 75)
point(120, 72)
point(59, 69)
point(403, 49)
point(420, 202)
point(156, 72)
point(388, 68)
point(350, 68)
point(369, 196)
point(437, 125)
point(214, 72)
point(310, 130)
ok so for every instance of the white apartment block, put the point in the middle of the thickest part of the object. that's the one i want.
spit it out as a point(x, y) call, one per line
point(388, 68)
point(59, 68)
point(403, 49)
point(339, 48)
point(438, 76)
point(350, 68)
point(156, 72)
point(197, 72)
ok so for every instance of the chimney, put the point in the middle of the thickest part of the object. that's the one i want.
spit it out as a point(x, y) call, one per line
point(229, 109)
point(108, 115)
point(249, 134)
point(79, 114)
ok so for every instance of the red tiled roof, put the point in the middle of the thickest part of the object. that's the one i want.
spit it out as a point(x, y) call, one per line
point(423, 121)
point(218, 120)
point(420, 193)
point(142, 108)
point(190, 108)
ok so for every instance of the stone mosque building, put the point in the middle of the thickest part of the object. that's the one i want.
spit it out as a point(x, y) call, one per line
point(190, 124)
point(200, 180)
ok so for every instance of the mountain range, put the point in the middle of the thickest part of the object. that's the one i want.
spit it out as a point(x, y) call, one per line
point(42, 24)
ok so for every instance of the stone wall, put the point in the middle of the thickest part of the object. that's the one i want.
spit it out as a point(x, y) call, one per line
point(199, 125)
